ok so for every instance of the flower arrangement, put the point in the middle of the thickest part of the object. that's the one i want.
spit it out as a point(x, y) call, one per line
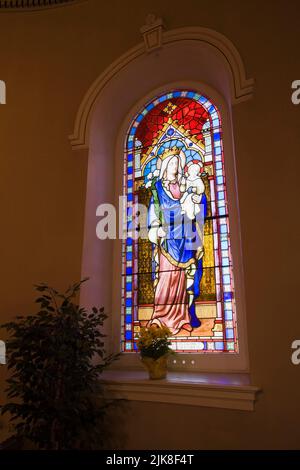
point(154, 341)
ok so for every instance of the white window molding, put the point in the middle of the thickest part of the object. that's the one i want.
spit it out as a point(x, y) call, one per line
point(239, 87)
point(231, 362)
point(104, 118)
point(2, 352)
point(209, 390)
point(152, 32)
point(2, 92)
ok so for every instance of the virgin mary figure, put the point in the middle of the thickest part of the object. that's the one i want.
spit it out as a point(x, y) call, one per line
point(177, 247)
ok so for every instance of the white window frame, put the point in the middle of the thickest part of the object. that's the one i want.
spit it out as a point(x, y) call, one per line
point(215, 361)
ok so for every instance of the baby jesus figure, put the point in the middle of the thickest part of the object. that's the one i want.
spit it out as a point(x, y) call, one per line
point(192, 185)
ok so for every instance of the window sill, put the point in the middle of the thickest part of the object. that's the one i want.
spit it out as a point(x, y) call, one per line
point(230, 391)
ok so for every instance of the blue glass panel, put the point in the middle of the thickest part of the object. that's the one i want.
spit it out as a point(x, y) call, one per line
point(129, 241)
point(129, 256)
point(202, 99)
point(228, 315)
point(170, 132)
point(190, 94)
point(128, 286)
point(128, 271)
point(211, 109)
point(130, 145)
point(176, 94)
point(224, 245)
point(162, 98)
point(229, 333)
point(219, 345)
point(128, 318)
point(221, 195)
point(227, 295)
point(128, 335)
point(140, 117)
point(130, 184)
point(128, 302)
point(130, 197)
point(150, 106)
point(130, 170)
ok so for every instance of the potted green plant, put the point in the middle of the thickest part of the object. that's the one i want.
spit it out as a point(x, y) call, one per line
point(154, 346)
point(56, 357)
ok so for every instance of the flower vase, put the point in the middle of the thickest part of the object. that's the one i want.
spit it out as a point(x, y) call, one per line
point(157, 368)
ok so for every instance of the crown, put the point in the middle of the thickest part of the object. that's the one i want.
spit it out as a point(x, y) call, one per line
point(170, 152)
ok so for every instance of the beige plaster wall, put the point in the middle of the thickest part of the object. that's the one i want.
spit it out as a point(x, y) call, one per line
point(48, 60)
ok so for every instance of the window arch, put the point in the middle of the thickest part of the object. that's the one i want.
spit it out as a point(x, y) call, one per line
point(191, 291)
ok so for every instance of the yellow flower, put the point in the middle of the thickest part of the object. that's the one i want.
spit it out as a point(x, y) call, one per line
point(148, 336)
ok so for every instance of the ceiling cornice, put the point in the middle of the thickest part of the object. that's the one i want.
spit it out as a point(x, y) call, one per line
point(29, 5)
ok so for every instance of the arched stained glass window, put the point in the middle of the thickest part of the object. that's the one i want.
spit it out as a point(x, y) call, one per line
point(174, 164)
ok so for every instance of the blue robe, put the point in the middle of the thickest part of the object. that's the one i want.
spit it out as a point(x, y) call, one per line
point(183, 237)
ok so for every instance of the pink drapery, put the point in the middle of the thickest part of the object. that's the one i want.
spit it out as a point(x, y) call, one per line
point(170, 302)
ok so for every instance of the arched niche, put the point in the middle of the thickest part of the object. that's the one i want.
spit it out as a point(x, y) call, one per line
point(197, 59)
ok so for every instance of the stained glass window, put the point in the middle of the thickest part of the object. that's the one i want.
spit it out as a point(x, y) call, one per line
point(174, 164)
